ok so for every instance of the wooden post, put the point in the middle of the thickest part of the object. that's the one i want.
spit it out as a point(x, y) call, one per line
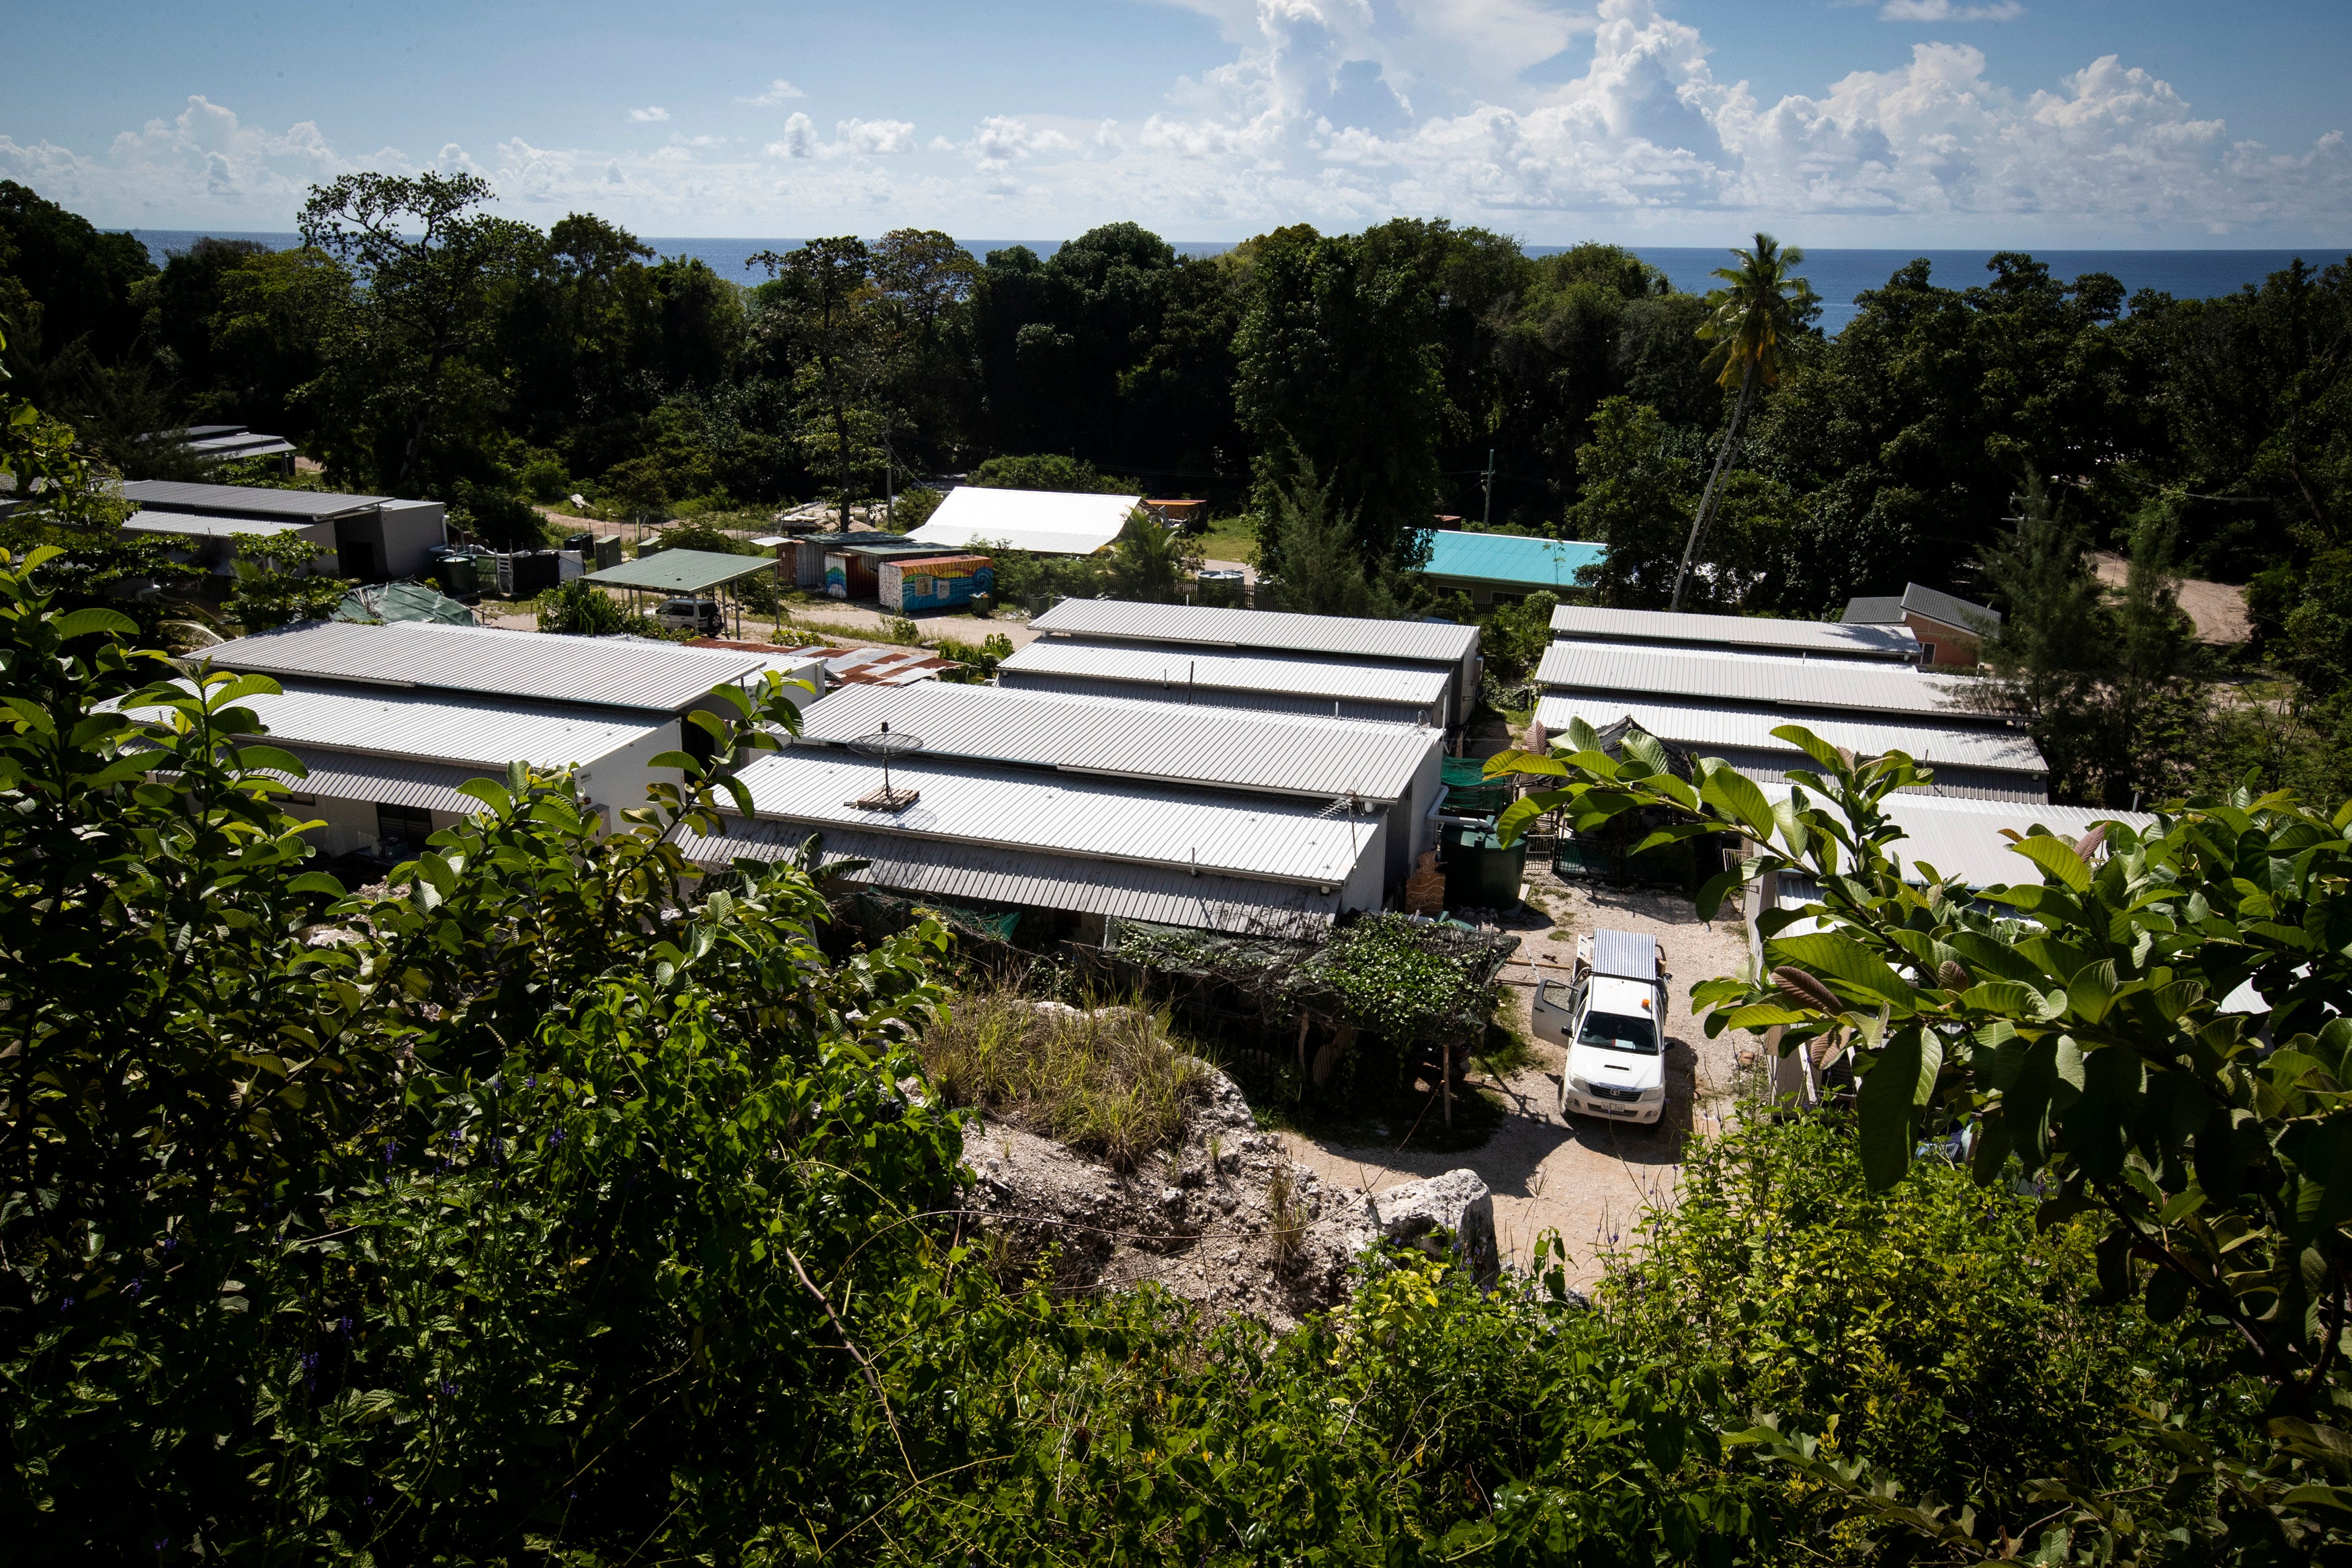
point(1446, 1080)
point(1302, 1021)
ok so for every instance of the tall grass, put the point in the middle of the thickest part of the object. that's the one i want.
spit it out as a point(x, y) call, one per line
point(1109, 1083)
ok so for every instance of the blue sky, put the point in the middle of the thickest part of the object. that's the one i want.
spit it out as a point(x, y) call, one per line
point(1901, 122)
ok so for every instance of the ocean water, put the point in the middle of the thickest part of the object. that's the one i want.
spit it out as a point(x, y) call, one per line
point(1837, 275)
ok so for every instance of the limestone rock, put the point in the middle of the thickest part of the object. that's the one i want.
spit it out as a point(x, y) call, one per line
point(1457, 1202)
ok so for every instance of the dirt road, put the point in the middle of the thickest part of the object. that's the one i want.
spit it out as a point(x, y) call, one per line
point(1590, 1181)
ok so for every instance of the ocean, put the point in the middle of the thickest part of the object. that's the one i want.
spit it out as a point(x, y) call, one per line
point(1837, 275)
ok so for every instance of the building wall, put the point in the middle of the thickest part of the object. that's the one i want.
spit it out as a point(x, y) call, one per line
point(1367, 888)
point(346, 825)
point(1953, 647)
point(617, 781)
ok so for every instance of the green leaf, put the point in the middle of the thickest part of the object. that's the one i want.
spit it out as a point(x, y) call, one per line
point(271, 760)
point(1717, 888)
point(1811, 745)
point(83, 623)
point(1840, 958)
point(1737, 794)
point(2011, 998)
point(1647, 747)
point(1504, 763)
point(2057, 860)
point(1901, 1081)
point(316, 882)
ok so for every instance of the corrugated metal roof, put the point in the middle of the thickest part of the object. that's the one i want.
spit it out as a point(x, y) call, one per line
point(1703, 726)
point(1834, 638)
point(1223, 700)
point(1096, 817)
point(1962, 839)
point(191, 524)
point(1934, 603)
point(1774, 680)
point(1412, 642)
point(1295, 755)
point(682, 570)
point(1177, 669)
point(1626, 954)
point(436, 728)
point(244, 501)
point(952, 872)
point(1050, 522)
point(385, 780)
point(1512, 560)
point(604, 672)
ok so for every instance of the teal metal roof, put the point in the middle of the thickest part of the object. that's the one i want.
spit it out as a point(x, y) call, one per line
point(682, 570)
point(1509, 560)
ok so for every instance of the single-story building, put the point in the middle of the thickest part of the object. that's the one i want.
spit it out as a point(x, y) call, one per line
point(228, 443)
point(1726, 704)
point(1044, 522)
point(1753, 634)
point(1372, 770)
point(1268, 683)
point(1504, 566)
point(372, 537)
point(1085, 849)
point(662, 681)
point(1950, 630)
point(386, 768)
point(1331, 639)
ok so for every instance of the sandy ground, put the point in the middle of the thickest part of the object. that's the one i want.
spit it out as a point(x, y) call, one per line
point(1590, 1181)
point(2218, 609)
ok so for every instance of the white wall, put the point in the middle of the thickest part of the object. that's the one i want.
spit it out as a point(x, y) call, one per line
point(617, 781)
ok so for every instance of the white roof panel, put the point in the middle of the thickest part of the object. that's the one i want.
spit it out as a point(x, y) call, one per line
point(432, 726)
point(1825, 638)
point(1178, 668)
point(1051, 522)
point(1096, 819)
point(606, 672)
point(1962, 839)
point(1272, 631)
point(1279, 754)
point(1703, 725)
point(207, 527)
point(1770, 680)
point(949, 871)
point(385, 781)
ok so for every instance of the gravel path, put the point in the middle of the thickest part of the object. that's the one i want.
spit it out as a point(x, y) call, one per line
point(1590, 1181)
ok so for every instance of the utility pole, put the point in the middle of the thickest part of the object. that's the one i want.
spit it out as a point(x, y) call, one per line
point(1486, 515)
point(889, 491)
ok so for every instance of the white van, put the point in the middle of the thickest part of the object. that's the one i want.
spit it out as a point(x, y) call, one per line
point(1610, 1020)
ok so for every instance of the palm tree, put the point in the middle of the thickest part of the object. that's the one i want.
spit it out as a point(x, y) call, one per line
point(1754, 319)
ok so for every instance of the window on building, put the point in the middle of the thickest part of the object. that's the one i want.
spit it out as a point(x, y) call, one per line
point(402, 827)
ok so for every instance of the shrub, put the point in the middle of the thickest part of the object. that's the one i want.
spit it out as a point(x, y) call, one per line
point(544, 479)
point(1108, 1081)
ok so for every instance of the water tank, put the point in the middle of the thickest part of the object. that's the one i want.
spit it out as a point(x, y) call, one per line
point(534, 573)
point(1480, 873)
point(460, 578)
point(608, 551)
point(584, 543)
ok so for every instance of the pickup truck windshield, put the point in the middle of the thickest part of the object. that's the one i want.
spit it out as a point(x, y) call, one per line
point(1615, 1032)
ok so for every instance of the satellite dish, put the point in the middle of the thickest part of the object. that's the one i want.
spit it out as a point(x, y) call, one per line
point(885, 746)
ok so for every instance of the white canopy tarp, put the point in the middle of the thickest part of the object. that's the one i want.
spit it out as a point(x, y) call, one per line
point(1049, 522)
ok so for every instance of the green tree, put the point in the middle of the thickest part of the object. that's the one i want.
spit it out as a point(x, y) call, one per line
point(1312, 560)
point(1755, 316)
point(280, 580)
point(407, 370)
point(2054, 642)
point(1049, 471)
point(1151, 564)
point(1635, 494)
point(1339, 371)
point(821, 292)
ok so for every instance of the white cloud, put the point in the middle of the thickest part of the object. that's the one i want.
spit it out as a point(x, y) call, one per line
point(1945, 11)
point(875, 136)
point(650, 116)
point(799, 140)
point(779, 93)
point(1339, 113)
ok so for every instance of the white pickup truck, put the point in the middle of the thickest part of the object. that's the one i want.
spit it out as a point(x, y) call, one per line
point(1610, 1020)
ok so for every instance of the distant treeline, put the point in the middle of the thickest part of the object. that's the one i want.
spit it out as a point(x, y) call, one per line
point(417, 345)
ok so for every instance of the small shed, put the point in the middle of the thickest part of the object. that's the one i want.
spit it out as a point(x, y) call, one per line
point(1488, 567)
point(685, 572)
point(934, 581)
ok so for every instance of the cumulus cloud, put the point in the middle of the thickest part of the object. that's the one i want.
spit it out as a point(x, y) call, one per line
point(779, 92)
point(1620, 120)
point(799, 140)
point(873, 136)
point(650, 116)
point(1945, 11)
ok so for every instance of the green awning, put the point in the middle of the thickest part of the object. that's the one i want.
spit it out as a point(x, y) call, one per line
point(682, 570)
